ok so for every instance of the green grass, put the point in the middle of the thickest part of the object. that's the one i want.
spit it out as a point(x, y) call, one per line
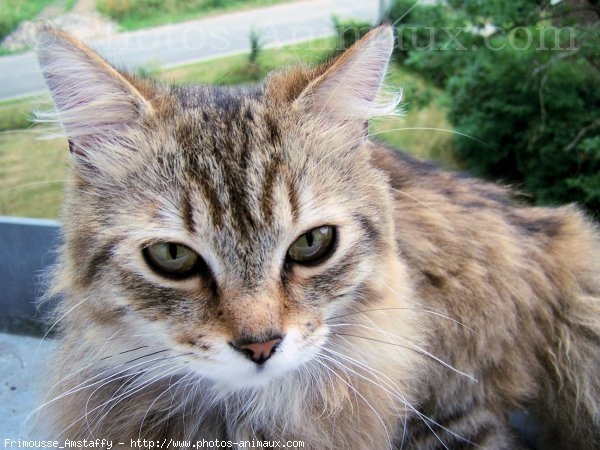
point(17, 114)
point(422, 129)
point(237, 70)
point(136, 14)
point(32, 171)
point(32, 174)
point(13, 12)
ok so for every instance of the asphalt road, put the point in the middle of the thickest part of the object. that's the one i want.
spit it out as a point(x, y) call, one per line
point(198, 40)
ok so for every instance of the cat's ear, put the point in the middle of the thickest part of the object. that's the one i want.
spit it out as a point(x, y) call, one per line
point(348, 89)
point(95, 103)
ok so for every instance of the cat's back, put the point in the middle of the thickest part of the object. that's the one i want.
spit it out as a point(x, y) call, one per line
point(513, 292)
point(441, 214)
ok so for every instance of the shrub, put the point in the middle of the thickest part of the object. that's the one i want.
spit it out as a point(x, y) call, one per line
point(349, 31)
point(431, 39)
point(256, 45)
point(536, 106)
point(12, 12)
point(143, 9)
point(530, 91)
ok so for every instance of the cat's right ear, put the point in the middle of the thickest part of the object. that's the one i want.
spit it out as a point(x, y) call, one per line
point(348, 90)
point(95, 103)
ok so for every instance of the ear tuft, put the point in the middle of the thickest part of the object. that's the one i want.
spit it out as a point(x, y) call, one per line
point(94, 101)
point(349, 88)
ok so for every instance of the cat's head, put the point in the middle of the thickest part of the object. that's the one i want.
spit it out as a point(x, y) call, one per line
point(229, 226)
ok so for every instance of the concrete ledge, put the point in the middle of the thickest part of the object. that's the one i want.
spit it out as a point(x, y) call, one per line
point(27, 250)
point(24, 361)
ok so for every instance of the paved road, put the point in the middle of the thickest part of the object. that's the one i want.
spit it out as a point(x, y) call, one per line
point(198, 40)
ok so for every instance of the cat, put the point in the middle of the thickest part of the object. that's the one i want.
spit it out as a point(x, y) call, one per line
point(246, 264)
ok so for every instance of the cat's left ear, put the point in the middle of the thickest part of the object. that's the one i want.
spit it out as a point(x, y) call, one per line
point(347, 91)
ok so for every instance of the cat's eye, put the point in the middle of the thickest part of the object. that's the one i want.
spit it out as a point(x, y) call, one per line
point(313, 246)
point(172, 259)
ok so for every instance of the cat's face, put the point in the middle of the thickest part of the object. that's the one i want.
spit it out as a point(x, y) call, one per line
point(228, 226)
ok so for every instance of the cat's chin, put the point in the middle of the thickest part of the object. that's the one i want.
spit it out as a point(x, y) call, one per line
point(232, 371)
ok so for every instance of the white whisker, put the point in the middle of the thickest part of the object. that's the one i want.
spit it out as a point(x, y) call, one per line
point(398, 395)
point(85, 385)
point(389, 439)
point(413, 346)
point(428, 129)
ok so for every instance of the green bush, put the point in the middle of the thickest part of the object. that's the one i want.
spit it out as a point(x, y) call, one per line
point(349, 31)
point(136, 14)
point(431, 39)
point(12, 12)
point(121, 9)
point(530, 123)
point(530, 91)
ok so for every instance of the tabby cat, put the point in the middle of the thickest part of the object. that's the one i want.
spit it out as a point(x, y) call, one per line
point(245, 264)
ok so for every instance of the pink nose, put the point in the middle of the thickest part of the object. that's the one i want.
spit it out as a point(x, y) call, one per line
point(258, 352)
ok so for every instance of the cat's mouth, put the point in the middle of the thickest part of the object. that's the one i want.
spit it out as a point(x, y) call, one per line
point(247, 364)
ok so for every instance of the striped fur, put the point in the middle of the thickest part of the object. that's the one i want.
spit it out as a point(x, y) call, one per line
point(442, 308)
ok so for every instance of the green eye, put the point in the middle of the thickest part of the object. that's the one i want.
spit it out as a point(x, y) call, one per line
point(171, 259)
point(312, 246)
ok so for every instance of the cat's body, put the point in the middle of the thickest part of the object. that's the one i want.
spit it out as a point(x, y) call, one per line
point(436, 310)
point(525, 283)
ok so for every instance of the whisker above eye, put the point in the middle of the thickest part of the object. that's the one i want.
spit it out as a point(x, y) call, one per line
point(444, 130)
point(30, 185)
point(412, 197)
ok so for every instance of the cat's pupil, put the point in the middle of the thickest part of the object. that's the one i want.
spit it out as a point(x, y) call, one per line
point(173, 259)
point(312, 245)
point(310, 238)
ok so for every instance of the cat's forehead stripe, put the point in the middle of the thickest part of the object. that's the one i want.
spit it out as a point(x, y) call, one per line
point(215, 208)
point(187, 212)
point(235, 175)
point(233, 134)
point(271, 171)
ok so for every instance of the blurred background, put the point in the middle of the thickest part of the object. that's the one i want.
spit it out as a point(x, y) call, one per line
point(506, 90)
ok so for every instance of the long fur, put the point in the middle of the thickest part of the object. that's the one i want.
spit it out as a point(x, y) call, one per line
point(443, 307)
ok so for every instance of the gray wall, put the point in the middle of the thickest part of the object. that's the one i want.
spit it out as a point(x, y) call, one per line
point(27, 250)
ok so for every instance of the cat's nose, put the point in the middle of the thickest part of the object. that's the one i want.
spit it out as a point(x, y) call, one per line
point(257, 350)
